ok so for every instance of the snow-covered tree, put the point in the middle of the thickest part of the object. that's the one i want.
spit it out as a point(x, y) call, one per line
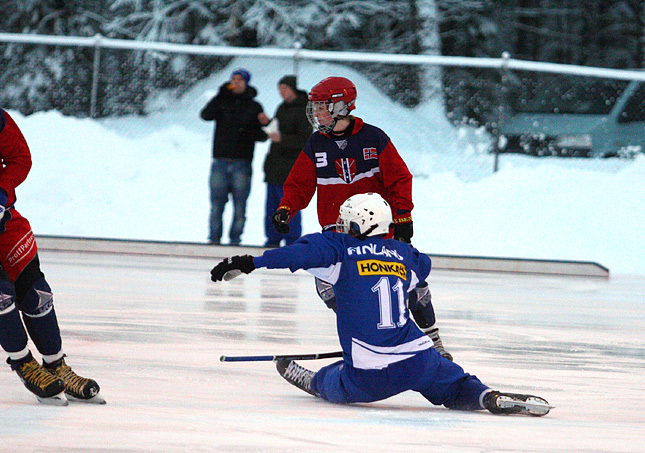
point(603, 33)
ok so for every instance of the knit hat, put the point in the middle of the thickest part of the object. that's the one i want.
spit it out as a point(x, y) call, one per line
point(246, 75)
point(290, 81)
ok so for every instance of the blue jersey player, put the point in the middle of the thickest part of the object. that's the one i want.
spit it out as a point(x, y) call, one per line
point(384, 352)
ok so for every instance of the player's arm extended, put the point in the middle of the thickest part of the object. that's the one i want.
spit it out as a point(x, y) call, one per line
point(311, 252)
point(300, 186)
point(315, 250)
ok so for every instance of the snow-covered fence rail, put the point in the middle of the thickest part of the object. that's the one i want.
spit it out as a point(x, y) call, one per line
point(491, 95)
point(504, 62)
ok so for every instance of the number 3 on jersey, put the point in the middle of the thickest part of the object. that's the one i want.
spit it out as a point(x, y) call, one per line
point(321, 159)
point(385, 293)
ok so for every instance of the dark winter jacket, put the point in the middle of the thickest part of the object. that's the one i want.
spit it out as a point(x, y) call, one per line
point(237, 127)
point(294, 130)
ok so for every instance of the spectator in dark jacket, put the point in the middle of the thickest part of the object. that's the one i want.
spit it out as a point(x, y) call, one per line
point(293, 130)
point(239, 120)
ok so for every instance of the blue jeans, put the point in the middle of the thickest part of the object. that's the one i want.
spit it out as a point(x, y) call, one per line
point(274, 195)
point(234, 177)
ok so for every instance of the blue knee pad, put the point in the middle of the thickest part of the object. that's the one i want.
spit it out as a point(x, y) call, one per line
point(7, 295)
point(38, 300)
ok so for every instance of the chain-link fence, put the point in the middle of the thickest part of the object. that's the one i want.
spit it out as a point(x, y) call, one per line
point(469, 113)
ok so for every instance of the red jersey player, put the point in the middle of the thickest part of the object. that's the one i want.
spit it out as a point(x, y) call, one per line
point(345, 157)
point(23, 289)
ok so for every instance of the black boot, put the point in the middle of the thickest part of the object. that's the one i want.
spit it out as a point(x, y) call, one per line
point(77, 388)
point(296, 375)
point(47, 387)
point(515, 403)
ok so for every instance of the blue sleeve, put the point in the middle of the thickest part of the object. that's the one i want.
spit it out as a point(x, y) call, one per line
point(310, 251)
point(425, 264)
point(421, 265)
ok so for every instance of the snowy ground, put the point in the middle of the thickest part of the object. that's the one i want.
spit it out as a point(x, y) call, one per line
point(151, 330)
point(147, 178)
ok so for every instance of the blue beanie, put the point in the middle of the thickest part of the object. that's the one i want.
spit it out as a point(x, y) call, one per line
point(246, 75)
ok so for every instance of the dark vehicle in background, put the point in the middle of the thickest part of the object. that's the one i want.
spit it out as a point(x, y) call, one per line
point(575, 116)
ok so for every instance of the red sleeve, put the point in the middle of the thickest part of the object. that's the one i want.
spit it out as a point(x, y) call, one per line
point(16, 158)
point(300, 186)
point(397, 179)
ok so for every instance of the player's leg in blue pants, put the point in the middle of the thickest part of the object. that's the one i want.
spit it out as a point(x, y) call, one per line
point(439, 380)
point(449, 385)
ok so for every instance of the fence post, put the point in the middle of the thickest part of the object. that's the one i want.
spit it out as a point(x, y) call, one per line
point(500, 109)
point(296, 57)
point(95, 75)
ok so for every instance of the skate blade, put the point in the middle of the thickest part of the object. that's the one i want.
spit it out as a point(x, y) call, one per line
point(536, 407)
point(96, 399)
point(56, 400)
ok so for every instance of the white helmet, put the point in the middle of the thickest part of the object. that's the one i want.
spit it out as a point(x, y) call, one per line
point(363, 215)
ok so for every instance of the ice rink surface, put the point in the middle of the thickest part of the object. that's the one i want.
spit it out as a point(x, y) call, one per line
point(151, 330)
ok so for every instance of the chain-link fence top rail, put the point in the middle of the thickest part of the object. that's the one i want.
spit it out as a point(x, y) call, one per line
point(539, 109)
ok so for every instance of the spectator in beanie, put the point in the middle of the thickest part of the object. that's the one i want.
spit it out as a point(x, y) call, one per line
point(239, 120)
point(288, 133)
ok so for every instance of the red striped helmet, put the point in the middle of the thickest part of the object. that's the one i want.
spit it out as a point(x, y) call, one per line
point(330, 100)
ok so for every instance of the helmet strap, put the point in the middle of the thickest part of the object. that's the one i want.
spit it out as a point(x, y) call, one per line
point(364, 235)
point(339, 109)
point(345, 130)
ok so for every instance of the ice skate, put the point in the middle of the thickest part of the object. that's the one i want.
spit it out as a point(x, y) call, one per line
point(515, 403)
point(438, 344)
point(48, 388)
point(77, 388)
point(296, 375)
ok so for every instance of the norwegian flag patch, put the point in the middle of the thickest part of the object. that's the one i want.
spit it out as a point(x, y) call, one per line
point(370, 153)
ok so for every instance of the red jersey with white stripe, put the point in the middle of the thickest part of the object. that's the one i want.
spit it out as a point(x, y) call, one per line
point(363, 160)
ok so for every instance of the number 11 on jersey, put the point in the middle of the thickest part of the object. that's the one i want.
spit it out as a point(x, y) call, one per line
point(385, 293)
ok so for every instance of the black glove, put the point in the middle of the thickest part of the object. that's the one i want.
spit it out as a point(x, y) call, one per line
point(403, 232)
point(280, 219)
point(232, 267)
